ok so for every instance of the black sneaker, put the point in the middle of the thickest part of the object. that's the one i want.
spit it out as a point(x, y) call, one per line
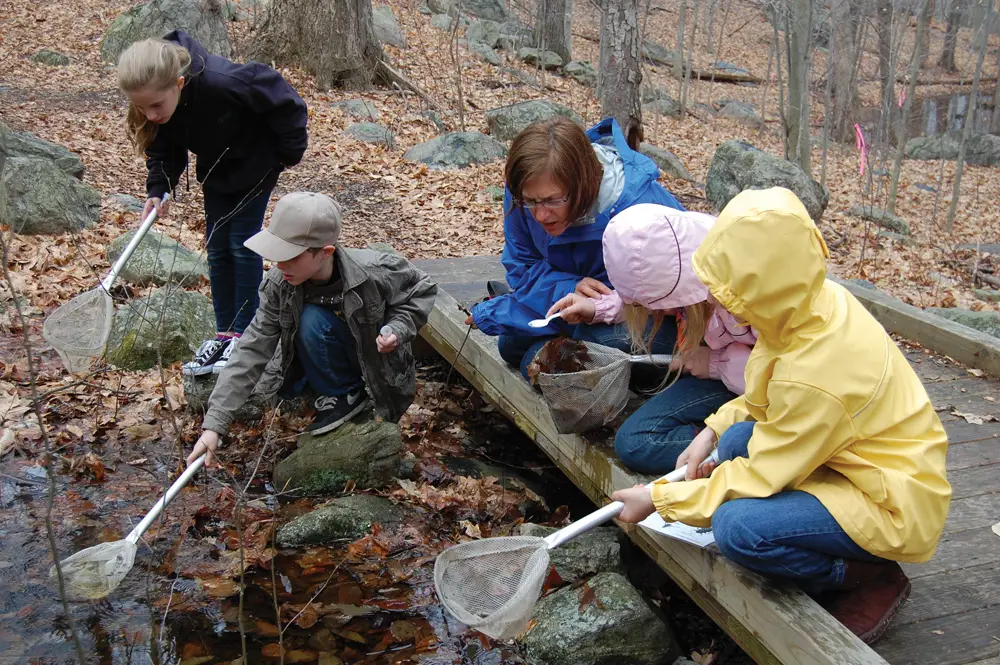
point(208, 353)
point(220, 364)
point(332, 412)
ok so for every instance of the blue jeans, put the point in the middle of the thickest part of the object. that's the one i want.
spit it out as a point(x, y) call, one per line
point(652, 438)
point(234, 271)
point(326, 356)
point(790, 535)
point(520, 351)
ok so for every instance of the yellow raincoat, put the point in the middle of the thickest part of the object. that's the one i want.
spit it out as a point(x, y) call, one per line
point(840, 413)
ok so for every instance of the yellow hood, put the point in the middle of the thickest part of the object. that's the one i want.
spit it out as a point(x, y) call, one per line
point(839, 412)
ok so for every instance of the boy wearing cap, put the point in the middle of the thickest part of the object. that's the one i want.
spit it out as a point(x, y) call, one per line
point(321, 311)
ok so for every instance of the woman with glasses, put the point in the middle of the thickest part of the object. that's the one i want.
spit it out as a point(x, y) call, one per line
point(563, 185)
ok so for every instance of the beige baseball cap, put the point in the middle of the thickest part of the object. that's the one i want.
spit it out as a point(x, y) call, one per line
point(300, 220)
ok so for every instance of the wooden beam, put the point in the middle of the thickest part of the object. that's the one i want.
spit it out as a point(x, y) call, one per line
point(775, 625)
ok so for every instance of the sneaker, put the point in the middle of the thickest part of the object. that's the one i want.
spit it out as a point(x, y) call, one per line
point(332, 412)
point(220, 364)
point(208, 353)
point(872, 595)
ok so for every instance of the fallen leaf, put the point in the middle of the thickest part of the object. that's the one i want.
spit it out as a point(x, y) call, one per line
point(140, 432)
point(75, 431)
point(974, 419)
point(328, 658)
point(6, 441)
point(588, 598)
point(409, 486)
point(996, 528)
point(976, 372)
point(404, 631)
point(265, 629)
point(938, 632)
point(553, 580)
point(470, 529)
point(220, 587)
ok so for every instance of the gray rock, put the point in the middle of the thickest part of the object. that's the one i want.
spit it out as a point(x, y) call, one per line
point(506, 122)
point(987, 295)
point(896, 237)
point(988, 248)
point(443, 22)
point(370, 132)
point(245, 10)
point(172, 320)
point(513, 36)
point(983, 150)
point(345, 518)
point(737, 165)
point(980, 150)
point(666, 160)
point(987, 322)
point(864, 283)
point(197, 390)
point(127, 201)
point(667, 107)
point(485, 52)
point(621, 629)
point(50, 58)
point(205, 20)
point(524, 77)
point(485, 32)
point(538, 58)
point(741, 112)
point(493, 10)
point(26, 144)
point(457, 149)
point(435, 118)
point(495, 192)
point(582, 72)
point(36, 196)
point(158, 260)
point(359, 108)
point(442, 6)
point(425, 10)
point(597, 551)
point(657, 53)
point(882, 218)
point(650, 94)
point(729, 68)
point(386, 26)
point(365, 451)
point(938, 278)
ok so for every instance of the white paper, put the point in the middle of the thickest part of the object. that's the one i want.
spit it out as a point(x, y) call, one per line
point(689, 534)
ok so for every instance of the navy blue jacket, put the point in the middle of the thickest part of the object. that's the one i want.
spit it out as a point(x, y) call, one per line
point(542, 269)
point(245, 123)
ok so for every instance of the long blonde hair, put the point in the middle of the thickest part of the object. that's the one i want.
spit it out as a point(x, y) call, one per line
point(149, 64)
point(643, 326)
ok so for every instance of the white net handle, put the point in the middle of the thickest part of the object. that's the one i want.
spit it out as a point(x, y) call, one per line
point(612, 510)
point(109, 281)
point(155, 511)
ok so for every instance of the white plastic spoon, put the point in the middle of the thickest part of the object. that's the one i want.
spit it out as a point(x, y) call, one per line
point(541, 323)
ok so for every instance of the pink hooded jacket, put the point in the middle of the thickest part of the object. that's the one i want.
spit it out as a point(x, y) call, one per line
point(647, 252)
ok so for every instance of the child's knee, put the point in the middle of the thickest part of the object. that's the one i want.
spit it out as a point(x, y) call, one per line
point(734, 535)
point(735, 441)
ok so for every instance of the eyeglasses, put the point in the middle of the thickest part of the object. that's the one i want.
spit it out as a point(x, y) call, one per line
point(551, 204)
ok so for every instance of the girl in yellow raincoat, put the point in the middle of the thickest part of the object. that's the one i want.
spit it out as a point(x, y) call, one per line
point(833, 461)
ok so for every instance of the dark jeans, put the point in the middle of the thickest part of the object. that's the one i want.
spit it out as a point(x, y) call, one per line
point(326, 356)
point(652, 438)
point(520, 351)
point(790, 535)
point(234, 271)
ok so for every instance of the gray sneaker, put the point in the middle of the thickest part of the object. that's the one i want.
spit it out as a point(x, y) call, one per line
point(334, 411)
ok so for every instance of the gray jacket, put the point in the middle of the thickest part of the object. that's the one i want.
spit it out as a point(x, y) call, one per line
point(379, 289)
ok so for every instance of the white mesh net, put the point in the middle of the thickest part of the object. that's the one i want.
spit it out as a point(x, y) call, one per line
point(95, 572)
point(492, 585)
point(79, 329)
point(585, 385)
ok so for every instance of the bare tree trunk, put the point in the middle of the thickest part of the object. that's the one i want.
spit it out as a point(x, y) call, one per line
point(970, 116)
point(995, 118)
point(619, 72)
point(710, 47)
point(797, 126)
point(845, 54)
point(885, 73)
point(331, 39)
point(686, 85)
point(911, 91)
point(679, 62)
point(925, 39)
point(554, 27)
point(947, 59)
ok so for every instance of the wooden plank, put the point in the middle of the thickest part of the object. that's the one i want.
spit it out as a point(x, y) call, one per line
point(965, 345)
point(961, 431)
point(975, 481)
point(773, 625)
point(969, 454)
point(947, 594)
point(952, 640)
point(464, 279)
point(963, 549)
point(964, 395)
point(976, 512)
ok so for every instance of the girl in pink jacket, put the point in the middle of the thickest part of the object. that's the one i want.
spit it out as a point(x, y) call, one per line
point(647, 252)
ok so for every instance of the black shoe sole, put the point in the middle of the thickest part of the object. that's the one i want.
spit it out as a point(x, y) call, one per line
point(337, 423)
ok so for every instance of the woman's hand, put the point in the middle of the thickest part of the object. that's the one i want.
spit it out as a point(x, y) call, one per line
point(208, 442)
point(591, 288)
point(638, 502)
point(694, 362)
point(696, 453)
point(575, 308)
point(154, 202)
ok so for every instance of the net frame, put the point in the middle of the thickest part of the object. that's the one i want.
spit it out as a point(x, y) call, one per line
point(79, 329)
point(93, 573)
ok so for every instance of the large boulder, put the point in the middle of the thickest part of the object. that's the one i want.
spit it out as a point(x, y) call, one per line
point(158, 260)
point(345, 518)
point(362, 109)
point(741, 112)
point(367, 452)
point(983, 150)
point(370, 132)
point(582, 72)
point(881, 217)
point(658, 54)
point(386, 26)
point(197, 390)
point(506, 122)
point(615, 625)
point(530, 55)
point(737, 166)
point(37, 196)
point(26, 144)
point(663, 106)
point(457, 149)
point(986, 322)
point(485, 32)
point(980, 149)
point(597, 551)
point(170, 324)
point(50, 58)
point(666, 160)
point(205, 20)
point(486, 53)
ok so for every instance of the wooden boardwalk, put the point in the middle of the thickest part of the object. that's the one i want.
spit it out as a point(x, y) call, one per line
point(953, 615)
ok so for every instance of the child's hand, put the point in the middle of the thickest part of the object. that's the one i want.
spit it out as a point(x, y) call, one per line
point(154, 202)
point(696, 453)
point(591, 288)
point(575, 308)
point(208, 442)
point(638, 502)
point(470, 321)
point(694, 362)
point(387, 344)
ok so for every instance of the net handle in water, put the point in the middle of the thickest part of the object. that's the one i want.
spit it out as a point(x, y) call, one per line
point(155, 511)
point(109, 281)
point(610, 511)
